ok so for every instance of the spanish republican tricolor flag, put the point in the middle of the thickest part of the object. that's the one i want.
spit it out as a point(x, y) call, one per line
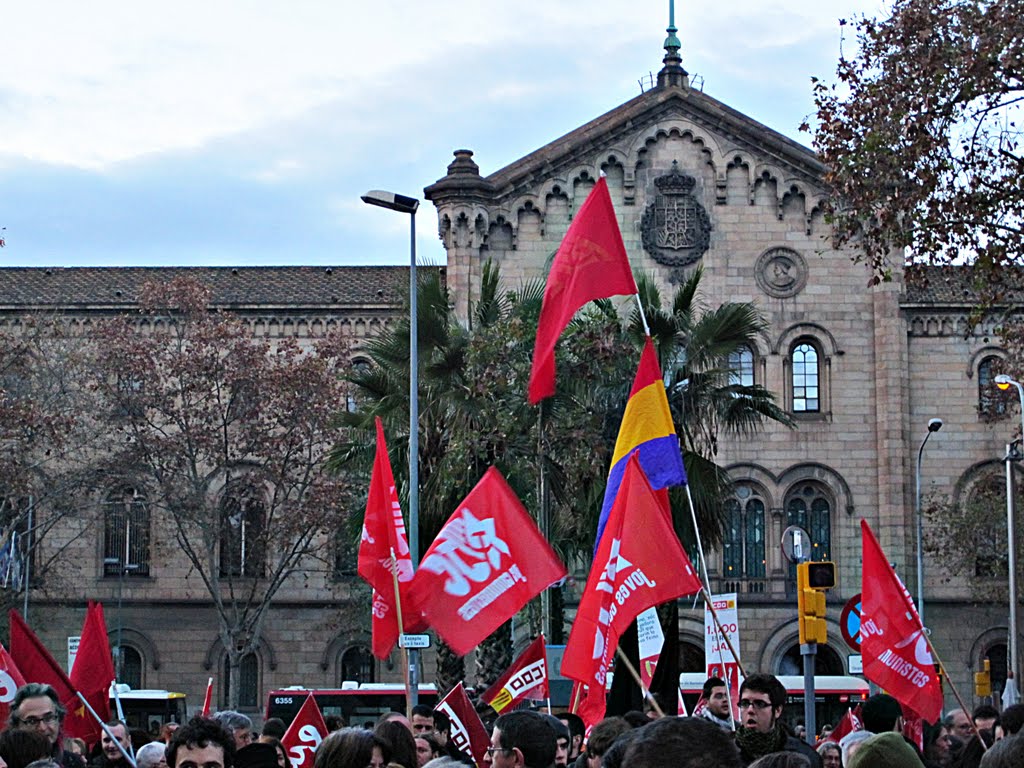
point(646, 427)
point(527, 678)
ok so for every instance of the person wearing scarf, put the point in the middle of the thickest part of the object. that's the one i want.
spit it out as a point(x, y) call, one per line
point(759, 730)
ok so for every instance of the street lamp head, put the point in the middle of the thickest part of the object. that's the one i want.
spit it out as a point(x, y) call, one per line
point(391, 200)
point(1003, 381)
point(934, 425)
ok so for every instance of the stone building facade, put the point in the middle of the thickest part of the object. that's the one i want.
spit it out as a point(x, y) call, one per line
point(317, 633)
point(861, 368)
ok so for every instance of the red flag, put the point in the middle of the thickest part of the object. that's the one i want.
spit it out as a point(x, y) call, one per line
point(527, 678)
point(384, 534)
point(591, 263)
point(208, 699)
point(93, 671)
point(468, 733)
point(637, 566)
point(38, 666)
point(848, 723)
point(10, 681)
point(304, 734)
point(893, 642)
point(487, 562)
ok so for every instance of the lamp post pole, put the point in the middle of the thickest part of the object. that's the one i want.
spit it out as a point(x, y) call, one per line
point(1004, 382)
point(934, 425)
point(404, 204)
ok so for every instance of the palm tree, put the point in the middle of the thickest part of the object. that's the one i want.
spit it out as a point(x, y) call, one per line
point(694, 345)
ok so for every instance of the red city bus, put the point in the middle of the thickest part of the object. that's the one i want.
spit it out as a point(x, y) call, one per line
point(359, 704)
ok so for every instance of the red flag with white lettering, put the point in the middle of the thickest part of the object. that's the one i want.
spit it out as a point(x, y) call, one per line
point(848, 723)
point(384, 534)
point(893, 642)
point(304, 734)
point(486, 563)
point(637, 566)
point(10, 681)
point(527, 678)
point(468, 733)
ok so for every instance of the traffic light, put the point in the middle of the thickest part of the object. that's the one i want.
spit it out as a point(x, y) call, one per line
point(983, 681)
point(813, 580)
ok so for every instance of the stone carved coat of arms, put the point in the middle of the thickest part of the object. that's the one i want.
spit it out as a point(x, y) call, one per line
point(675, 228)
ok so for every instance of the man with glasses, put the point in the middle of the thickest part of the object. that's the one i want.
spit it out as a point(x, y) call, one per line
point(36, 707)
point(521, 740)
point(760, 732)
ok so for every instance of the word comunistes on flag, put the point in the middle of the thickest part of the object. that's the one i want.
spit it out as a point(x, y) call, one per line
point(468, 733)
point(639, 564)
point(591, 263)
point(527, 678)
point(384, 534)
point(304, 734)
point(486, 563)
point(893, 641)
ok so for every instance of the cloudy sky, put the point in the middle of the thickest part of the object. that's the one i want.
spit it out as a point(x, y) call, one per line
point(234, 132)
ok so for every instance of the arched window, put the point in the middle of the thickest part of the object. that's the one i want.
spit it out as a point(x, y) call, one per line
point(357, 664)
point(997, 658)
point(992, 401)
point(743, 555)
point(828, 662)
point(248, 684)
point(125, 533)
point(806, 395)
point(241, 551)
point(130, 671)
point(360, 367)
point(808, 506)
point(741, 367)
point(691, 657)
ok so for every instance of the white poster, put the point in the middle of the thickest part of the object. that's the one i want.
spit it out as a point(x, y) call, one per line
point(718, 656)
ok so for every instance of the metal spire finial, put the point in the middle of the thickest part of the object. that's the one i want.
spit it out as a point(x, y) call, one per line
point(672, 43)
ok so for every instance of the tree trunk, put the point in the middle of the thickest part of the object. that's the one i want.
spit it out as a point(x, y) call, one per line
point(494, 655)
point(234, 682)
point(451, 669)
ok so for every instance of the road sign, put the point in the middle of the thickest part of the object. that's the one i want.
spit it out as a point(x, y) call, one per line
point(796, 544)
point(856, 662)
point(849, 622)
point(414, 641)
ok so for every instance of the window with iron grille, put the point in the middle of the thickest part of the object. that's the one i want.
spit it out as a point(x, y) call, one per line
point(248, 682)
point(241, 551)
point(357, 664)
point(992, 401)
point(125, 533)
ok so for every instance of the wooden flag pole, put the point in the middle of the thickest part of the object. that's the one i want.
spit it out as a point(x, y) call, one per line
point(636, 677)
point(401, 629)
point(952, 685)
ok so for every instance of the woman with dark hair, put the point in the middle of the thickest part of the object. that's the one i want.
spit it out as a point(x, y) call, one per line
point(353, 748)
point(403, 746)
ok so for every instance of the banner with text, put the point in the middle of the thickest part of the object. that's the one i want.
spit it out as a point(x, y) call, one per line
point(718, 657)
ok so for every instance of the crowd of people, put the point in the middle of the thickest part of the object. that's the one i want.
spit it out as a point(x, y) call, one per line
point(986, 738)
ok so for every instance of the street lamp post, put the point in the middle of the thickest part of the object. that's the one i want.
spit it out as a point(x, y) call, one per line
point(1004, 382)
point(934, 425)
point(404, 204)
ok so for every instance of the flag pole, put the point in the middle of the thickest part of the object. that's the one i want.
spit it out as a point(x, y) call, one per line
point(120, 713)
point(401, 629)
point(952, 685)
point(208, 699)
point(106, 730)
point(707, 584)
point(636, 678)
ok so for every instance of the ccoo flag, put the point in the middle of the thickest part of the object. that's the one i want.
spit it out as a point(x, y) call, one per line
point(591, 263)
point(893, 641)
point(527, 678)
point(647, 428)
